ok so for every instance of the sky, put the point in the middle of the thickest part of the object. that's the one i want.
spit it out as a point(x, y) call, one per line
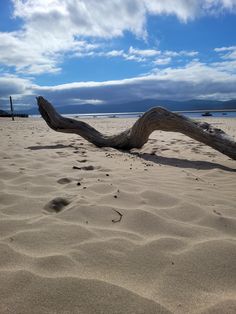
point(116, 51)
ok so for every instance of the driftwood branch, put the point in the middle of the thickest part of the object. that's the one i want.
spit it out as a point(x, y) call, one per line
point(155, 119)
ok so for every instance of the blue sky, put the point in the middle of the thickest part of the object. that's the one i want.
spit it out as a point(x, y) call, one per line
point(114, 51)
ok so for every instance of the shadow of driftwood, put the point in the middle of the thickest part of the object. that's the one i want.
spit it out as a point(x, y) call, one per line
point(168, 161)
point(182, 163)
point(57, 146)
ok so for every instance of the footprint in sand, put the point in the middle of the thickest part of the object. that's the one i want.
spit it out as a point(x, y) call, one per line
point(63, 181)
point(56, 205)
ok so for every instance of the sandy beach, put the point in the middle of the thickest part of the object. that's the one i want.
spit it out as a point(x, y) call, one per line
point(90, 230)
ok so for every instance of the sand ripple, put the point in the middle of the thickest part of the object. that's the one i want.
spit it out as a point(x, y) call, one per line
point(88, 230)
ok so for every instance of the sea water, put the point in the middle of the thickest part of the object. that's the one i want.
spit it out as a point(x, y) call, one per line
point(189, 114)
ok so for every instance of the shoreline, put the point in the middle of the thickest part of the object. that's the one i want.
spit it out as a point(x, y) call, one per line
point(190, 114)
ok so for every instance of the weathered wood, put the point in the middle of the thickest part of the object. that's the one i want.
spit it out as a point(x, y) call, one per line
point(155, 119)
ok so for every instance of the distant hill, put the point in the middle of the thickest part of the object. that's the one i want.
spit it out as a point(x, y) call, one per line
point(6, 114)
point(144, 105)
point(3, 113)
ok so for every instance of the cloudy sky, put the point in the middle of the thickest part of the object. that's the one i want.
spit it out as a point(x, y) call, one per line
point(113, 51)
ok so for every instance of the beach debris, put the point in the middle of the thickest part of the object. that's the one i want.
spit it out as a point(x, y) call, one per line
point(84, 168)
point(88, 168)
point(75, 167)
point(82, 160)
point(63, 181)
point(216, 212)
point(120, 216)
point(56, 205)
point(154, 119)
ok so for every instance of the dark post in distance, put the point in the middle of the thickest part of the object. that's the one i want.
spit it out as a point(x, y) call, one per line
point(12, 110)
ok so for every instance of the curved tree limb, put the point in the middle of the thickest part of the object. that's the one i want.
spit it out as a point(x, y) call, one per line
point(155, 119)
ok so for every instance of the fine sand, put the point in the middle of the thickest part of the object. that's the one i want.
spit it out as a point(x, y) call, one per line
point(89, 230)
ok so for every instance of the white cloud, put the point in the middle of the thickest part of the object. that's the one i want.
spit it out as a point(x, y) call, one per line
point(231, 55)
point(21, 89)
point(195, 80)
point(150, 56)
point(162, 61)
point(94, 18)
point(227, 52)
point(228, 65)
point(183, 9)
point(13, 85)
point(115, 53)
point(54, 27)
point(35, 51)
point(180, 53)
point(218, 6)
point(189, 9)
point(222, 49)
point(16, 51)
point(144, 52)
